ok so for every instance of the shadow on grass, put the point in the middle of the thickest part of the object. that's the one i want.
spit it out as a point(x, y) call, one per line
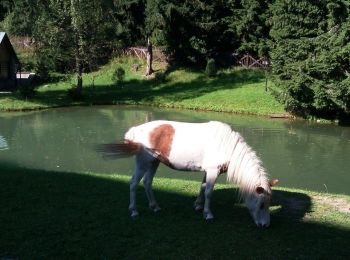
point(149, 90)
point(45, 215)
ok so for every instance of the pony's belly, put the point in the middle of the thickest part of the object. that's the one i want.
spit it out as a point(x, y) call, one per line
point(186, 160)
point(186, 166)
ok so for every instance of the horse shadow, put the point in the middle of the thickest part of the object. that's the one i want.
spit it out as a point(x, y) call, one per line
point(289, 206)
point(46, 215)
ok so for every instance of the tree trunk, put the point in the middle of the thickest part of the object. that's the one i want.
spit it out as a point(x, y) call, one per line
point(79, 70)
point(77, 29)
point(149, 57)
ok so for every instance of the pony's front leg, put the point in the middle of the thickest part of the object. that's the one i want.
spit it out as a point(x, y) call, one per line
point(198, 204)
point(210, 182)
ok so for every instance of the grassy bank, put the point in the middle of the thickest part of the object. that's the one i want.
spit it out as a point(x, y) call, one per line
point(61, 215)
point(233, 90)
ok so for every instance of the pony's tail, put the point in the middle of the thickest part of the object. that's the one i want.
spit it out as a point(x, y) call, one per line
point(118, 150)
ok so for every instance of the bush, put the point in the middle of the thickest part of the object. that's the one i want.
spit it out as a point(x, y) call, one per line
point(210, 69)
point(118, 75)
point(42, 68)
point(26, 90)
point(74, 93)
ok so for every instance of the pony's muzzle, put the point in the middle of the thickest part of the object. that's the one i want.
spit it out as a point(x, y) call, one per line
point(262, 225)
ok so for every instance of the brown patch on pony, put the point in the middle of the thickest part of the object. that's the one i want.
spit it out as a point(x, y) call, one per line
point(161, 139)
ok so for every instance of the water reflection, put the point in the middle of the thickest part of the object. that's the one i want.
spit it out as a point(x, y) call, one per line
point(300, 154)
point(3, 143)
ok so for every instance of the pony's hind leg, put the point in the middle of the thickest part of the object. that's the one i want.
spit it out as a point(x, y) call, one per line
point(198, 204)
point(147, 182)
point(146, 165)
point(135, 179)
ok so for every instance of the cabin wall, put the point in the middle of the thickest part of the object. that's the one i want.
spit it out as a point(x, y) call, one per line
point(7, 68)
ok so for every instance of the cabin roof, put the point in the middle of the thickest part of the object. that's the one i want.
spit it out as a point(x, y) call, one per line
point(4, 39)
point(2, 34)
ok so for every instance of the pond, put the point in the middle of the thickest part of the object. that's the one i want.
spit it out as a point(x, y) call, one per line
point(299, 153)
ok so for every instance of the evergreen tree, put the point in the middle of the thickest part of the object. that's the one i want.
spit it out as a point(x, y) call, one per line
point(310, 56)
point(192, 31)
point(73, 35)
point(249, 24)
point(18, 16)
point(129, 19)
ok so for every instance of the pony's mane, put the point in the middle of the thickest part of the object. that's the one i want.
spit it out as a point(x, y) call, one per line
point(245, 168)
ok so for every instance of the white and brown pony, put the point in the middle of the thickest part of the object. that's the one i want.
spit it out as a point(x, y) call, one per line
point(209, 147)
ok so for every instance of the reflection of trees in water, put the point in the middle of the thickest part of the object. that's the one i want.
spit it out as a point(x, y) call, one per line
point(7, 126)
point(65, 138)
point(308, 155)
point(3, 143)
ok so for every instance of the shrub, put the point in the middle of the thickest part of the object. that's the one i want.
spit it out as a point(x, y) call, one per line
point(26, 90)
point(74, 93)
point(160, 77)
point(210, 69)
point(118, 75)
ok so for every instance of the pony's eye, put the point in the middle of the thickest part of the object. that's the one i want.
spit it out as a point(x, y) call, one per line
point(262, 205)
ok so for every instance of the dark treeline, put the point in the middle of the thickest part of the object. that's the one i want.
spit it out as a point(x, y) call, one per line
point(307, 41)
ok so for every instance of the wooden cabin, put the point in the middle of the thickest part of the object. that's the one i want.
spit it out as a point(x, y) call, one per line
point(9, 64)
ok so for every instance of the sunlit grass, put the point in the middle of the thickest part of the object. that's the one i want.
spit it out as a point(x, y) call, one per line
point(232, 90)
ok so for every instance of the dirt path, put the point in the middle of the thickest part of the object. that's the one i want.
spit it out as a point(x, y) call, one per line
point(339, 204)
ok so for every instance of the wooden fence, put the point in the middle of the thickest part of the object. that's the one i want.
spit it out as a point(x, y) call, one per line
point(141, 52)
point(248, 61)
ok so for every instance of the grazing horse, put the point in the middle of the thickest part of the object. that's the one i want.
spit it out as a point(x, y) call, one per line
point(210, 147)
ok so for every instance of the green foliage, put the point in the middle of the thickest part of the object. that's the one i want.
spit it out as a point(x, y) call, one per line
point(191, 31)
point(307, 41)
point(118, 75)
point(249, 25)
point(210, 69)
point(311, 58)
point(18, 16)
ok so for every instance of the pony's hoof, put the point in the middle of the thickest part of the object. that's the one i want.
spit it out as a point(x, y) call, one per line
point(208, 217)
point(198, 208)
point(156, 209)
point(134, 214)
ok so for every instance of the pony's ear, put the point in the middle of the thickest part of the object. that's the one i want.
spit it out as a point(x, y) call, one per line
point(259, 190)
point(273, 182)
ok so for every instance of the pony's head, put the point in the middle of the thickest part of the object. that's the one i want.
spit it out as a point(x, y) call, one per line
point(258, 203)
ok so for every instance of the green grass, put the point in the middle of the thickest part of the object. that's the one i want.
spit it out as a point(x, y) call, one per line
point(62, 215)
point(233, 90)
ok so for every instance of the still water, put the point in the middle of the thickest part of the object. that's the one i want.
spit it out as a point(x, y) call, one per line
point(300, 154)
